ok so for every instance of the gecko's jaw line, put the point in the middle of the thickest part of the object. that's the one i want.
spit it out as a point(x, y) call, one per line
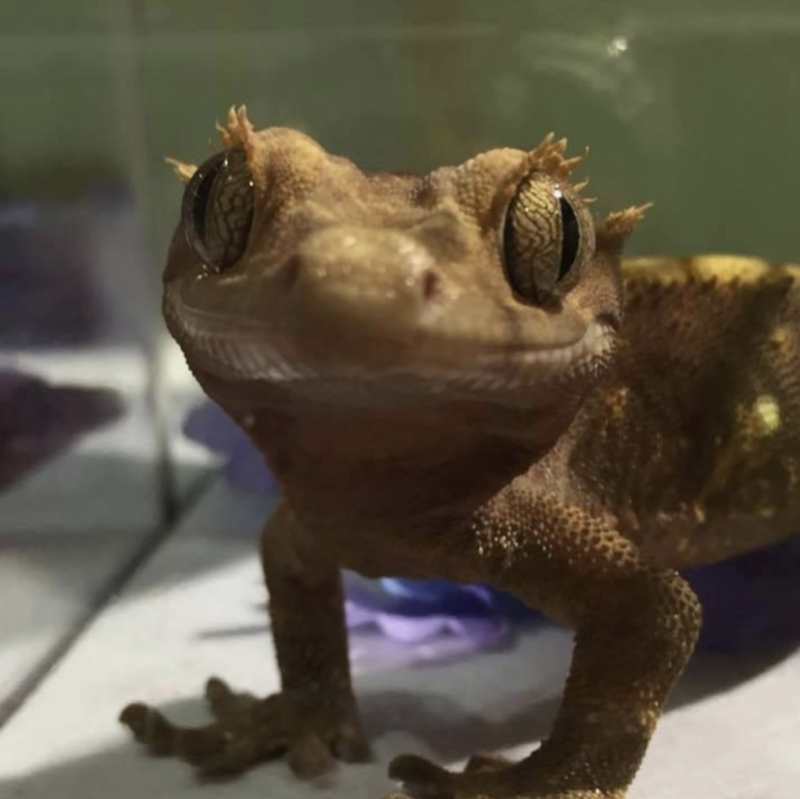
point(260, 353)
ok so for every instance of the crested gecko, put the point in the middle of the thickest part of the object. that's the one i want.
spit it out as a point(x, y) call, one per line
point(457, 375)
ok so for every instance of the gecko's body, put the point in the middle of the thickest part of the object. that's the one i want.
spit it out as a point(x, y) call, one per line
point(438, 372)
point(693, 440)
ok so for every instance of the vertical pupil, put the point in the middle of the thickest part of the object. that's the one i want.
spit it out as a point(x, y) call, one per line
point(201, 199)
point(570, 237)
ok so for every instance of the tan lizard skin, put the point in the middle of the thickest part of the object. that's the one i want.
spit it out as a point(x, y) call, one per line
point(438, 371)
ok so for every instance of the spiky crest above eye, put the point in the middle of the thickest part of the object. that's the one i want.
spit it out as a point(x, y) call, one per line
point(549, 157)
point(619, 225)
point(184, 171)
point(238, 131)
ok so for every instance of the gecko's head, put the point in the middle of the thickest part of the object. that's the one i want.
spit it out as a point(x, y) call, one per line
point(488, 282)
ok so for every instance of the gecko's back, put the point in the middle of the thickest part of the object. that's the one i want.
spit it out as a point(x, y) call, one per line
point(693, 442)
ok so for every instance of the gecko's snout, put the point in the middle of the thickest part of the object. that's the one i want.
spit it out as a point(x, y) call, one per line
point(361, 274)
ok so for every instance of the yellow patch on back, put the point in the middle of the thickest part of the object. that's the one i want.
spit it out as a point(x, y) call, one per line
point(702, 268)
point(766, 415)
point(745, 449)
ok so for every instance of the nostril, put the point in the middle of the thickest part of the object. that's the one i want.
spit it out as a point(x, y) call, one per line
point(430, 284)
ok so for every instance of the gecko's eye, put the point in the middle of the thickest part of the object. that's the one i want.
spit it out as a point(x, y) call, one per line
point(547, 236)
point(218, 209)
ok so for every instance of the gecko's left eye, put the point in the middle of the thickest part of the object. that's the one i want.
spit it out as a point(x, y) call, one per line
point(218, 209)
point(547, 236)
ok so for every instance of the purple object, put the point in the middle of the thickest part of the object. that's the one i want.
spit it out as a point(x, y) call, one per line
point(749, 602)
point(38, 420)
point(71, 270)
point(437, 620)
point(415, 611)
point(752, 601)
point(244, 466)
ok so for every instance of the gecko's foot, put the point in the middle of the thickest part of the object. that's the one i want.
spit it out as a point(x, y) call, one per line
point(485, 777)
point(247, 731)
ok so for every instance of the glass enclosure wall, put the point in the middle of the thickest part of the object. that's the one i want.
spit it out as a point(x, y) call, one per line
point(695, 106)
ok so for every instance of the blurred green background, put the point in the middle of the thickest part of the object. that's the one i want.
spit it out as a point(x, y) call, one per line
point(695, 106)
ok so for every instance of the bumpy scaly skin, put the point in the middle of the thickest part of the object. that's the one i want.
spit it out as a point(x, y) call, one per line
point(576, 475)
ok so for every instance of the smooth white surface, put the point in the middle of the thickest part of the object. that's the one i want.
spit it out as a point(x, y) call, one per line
point(197, 609)
point(65, 530)
point(74, 523)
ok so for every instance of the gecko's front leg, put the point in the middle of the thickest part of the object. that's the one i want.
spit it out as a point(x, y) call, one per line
point(636, 626)
point(314, 718)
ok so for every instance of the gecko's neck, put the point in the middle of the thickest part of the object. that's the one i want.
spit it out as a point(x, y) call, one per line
point(366, 466)
point(372, 464)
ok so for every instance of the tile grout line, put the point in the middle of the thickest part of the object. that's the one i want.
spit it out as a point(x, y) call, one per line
point(115, 585)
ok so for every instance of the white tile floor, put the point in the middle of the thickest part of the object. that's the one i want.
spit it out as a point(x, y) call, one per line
point(196, 609)
point(70, 527)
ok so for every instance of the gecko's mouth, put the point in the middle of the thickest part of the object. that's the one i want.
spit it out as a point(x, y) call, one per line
point(421, 362)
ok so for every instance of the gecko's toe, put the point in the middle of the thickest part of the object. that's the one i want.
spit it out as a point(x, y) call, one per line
point(162, 737)
point(422, 778)
point(149, 727)
point(134, 717)
point(226, 704)
point(312, 733)
point(309, 758)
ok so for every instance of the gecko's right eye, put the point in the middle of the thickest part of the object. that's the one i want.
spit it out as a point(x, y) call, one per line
point(218, 209)
point(548, 236)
